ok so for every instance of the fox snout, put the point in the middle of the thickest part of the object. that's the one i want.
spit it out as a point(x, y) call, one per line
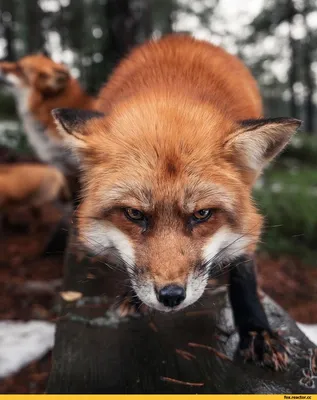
point(170, 295)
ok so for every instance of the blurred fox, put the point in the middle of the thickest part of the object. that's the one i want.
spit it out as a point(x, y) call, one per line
point(39, 84)
point(31, 186)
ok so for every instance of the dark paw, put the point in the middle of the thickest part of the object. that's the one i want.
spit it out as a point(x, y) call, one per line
point(265, 348)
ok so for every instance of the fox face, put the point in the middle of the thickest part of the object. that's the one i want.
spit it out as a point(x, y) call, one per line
point(35, 72)
point(167, 188)
point(40, 85)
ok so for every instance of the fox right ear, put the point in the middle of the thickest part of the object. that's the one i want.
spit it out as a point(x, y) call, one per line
point(72, 124)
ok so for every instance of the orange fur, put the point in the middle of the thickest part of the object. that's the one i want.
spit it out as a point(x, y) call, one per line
point(30, 185)
point(189, 68)
point(170, 143)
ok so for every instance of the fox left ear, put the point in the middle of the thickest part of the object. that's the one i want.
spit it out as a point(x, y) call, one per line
point(72, 124)
point(258, 141)
point(44, 52)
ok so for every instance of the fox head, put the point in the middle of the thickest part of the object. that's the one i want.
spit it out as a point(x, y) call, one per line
point(35, 72)
point(167, 187)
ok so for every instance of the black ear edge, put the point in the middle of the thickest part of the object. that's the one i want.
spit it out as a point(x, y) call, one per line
point(71, 119)
point(250, 124)
point(44, 52)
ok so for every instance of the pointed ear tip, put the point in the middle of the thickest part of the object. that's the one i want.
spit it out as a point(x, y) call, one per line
point(55, 112)
point(294, 121)
point(293, 124)
point(60, 112)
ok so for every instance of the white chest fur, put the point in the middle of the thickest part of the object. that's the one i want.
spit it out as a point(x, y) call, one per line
point(46, 148)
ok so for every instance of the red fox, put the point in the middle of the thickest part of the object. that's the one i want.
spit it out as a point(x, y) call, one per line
point(169, 160)
point(28, 185)
point(40, 85)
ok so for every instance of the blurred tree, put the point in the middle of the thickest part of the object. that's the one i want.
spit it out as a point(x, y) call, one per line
point(300, 51)
point(309, 48)
point(7, 18)
point(293, 73)
point(34, 40)
point(274, 13)
point(93, 61)
point(129, 23)
point(163, 14)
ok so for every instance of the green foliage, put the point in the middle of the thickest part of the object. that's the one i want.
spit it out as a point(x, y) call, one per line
point(291, 219)
point(302, 150)
point(7, 109)
point(12, 135)
point(287, 196)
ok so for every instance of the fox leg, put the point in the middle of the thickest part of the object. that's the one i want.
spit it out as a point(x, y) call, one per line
point(257, 340)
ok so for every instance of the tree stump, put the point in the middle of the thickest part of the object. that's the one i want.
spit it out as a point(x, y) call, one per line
point(194, 351)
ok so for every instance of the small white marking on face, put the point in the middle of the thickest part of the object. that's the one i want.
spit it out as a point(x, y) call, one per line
point(225, 245)
point(100, 236)
point(13, 79)
point(195, 288)
point(146, 293)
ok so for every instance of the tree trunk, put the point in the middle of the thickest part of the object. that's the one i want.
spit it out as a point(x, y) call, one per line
point(309, 84)
point(309, 81)
point(7, 20)
point(35, 39)
point(129, 23)
point(292, 73)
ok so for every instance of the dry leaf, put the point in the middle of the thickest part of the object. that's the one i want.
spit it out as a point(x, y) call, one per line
point(177, 381)
point(71, 296)
point(218, 353)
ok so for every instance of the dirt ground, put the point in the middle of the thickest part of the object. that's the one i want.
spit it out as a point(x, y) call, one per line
point(291, 284)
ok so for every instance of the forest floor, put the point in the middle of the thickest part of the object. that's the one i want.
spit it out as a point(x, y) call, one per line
point(289, 282)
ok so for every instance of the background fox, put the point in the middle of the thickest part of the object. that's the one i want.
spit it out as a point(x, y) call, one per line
point(40, 85)
point(169, 161)
point(27, 185)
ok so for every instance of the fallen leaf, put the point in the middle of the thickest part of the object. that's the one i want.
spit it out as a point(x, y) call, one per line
point(153, 326)
point(218, 353)
point(71, 296)
point(172, 380)
point(185, 354)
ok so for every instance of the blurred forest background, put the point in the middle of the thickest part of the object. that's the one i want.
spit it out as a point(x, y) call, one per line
point(277, 39)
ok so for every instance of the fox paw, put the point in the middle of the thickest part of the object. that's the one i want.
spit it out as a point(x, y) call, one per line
point(265, 348)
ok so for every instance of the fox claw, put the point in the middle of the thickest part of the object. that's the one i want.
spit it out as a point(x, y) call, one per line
point(266, 348)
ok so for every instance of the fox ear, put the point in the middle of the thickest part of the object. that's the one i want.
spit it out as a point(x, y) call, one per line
point(258, 141)
point(44, 52)
point(72, 124)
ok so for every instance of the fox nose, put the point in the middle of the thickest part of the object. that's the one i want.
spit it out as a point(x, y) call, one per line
point(171, 295)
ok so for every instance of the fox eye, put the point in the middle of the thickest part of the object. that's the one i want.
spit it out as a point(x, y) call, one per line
point(202, 215)
point(134, 215)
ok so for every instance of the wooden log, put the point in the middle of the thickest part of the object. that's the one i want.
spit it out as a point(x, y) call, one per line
point(193, 351)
